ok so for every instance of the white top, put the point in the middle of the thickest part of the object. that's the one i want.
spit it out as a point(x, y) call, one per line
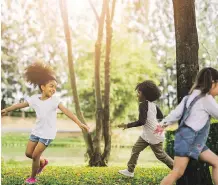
point(199, 113)
point(150, 126)
point(46, 115)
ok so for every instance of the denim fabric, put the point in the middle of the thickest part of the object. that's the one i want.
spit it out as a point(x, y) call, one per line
point(188, 142)
point(34, 138)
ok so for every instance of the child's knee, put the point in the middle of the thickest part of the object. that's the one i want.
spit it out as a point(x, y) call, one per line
point(35, 156)
point(135, 152)
point(177, 173)
point(215, 164)
point(29, 155)
point(161, 156)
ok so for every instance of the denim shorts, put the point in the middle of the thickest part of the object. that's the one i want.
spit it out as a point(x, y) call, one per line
point(34, 138)
point(189, 143)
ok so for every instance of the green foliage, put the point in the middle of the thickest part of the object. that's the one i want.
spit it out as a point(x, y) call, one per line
point(135, 64)
point(161, 35)
point(140, 48)
point(25, 37)
point(211, 141)
point(213, 120)
point(2, 162)
point(16, 140)
point(85, 175)
point(39, 33)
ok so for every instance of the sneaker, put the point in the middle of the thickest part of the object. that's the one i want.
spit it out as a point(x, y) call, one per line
point(31, 180)
point(42, 167)
point(126, 173)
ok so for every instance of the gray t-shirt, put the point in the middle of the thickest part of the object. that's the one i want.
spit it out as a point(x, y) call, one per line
point(46, 115)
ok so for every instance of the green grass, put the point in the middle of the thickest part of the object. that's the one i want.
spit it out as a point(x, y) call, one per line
point(68, 156)
point(73, 153)
point(85, 175)
point(22, 139)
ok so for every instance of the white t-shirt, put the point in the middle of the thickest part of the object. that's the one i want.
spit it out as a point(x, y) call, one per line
point(46, 115)
point(150, 126)
point(199, 114)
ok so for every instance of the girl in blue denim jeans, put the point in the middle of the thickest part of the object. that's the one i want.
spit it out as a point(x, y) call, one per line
point(45, 106)
point(194, 112)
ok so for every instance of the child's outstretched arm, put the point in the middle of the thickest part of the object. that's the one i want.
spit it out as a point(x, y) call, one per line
point(143, 109)
point(175, 114)
point(159, 115)
point(70, 115)
point(14, 107)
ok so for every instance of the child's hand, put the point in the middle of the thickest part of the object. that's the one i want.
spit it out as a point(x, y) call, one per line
point(84, 127)
point(159, 129)
point(4, 112)
point(124, 126)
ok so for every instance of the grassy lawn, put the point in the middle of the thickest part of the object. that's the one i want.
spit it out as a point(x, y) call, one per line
point(85, 175)
point(68, 151)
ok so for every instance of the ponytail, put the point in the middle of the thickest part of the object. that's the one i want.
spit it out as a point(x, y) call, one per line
point(205, 79)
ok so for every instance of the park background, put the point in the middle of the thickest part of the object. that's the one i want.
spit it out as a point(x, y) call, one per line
point(142, 47)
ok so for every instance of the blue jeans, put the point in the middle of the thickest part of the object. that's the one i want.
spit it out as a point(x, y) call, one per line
point(34, 138)
point(191, 143)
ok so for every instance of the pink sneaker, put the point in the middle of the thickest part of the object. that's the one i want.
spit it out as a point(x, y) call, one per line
point(42, 167)
point(31, 180)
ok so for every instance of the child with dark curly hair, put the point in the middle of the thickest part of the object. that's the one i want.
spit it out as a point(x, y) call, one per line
point(149, 114)
point(45, 105)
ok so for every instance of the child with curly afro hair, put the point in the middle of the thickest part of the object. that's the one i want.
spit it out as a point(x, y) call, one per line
point(45, 105)
point(149, 114)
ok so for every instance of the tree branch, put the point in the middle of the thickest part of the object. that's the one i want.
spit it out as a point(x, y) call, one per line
point(94, 10)
point(113, 10)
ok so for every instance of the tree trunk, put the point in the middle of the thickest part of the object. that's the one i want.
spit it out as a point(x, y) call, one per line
point(186, 45)
point(106, 121)
point(97, 158)
point(197, 173)
point(87, 136)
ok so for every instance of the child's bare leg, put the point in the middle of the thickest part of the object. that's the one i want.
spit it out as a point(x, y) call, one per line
point(29, 151)
point(36, 158)
point(211, 158)
point(180, 164)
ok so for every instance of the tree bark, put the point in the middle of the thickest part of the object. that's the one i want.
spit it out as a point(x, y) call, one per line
point(186, 45)
point(97, 158)
point(64, 14)
point(197, 173)
point(106, 121)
